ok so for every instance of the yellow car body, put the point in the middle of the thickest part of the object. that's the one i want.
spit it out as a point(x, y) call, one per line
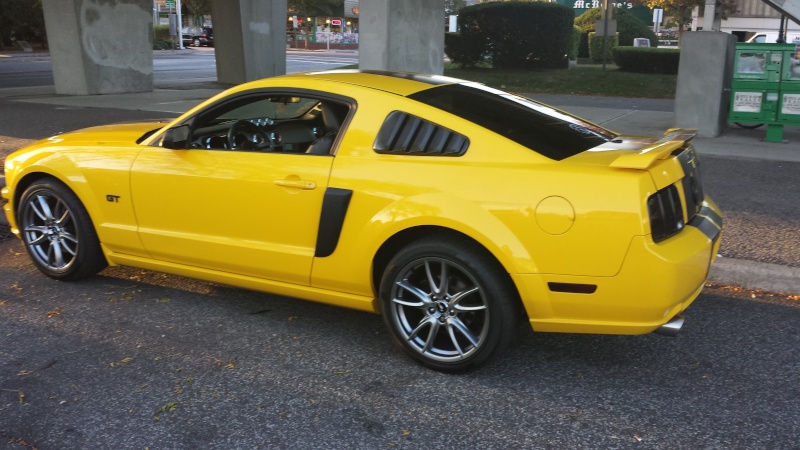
point(574, 235)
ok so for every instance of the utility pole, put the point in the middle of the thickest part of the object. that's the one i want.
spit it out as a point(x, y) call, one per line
point(180, 23)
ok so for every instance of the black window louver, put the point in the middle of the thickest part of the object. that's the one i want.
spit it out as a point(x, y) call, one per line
point(666, 213)
point(403, 133)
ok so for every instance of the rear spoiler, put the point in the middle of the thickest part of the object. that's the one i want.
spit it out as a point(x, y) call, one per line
point(673, 139)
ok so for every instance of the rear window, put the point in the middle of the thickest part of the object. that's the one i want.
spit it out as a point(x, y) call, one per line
point(549, 132)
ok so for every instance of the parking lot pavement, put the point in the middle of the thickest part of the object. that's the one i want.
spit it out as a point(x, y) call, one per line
point(138, 359)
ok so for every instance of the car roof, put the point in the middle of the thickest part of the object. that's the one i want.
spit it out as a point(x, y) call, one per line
point(400, 83)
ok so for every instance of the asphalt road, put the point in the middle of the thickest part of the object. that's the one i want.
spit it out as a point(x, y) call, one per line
point(187, 66)
point(136, 359)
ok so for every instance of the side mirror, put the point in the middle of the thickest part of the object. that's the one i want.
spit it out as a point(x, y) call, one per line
point(176, 138)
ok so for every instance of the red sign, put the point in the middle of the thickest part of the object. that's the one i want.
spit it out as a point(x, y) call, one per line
point(336, 23)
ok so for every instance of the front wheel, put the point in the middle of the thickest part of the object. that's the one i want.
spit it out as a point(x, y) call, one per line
point(58, 233)
point(448, 304)
point(196, 42)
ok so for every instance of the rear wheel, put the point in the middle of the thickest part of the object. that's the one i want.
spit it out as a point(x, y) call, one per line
point(448, 304)
point(58, 233)
point(196, 42)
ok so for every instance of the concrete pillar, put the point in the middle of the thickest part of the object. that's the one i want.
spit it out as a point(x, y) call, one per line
point(402, 35)
point(703, 94)
point(249, 39)
point(100, 46)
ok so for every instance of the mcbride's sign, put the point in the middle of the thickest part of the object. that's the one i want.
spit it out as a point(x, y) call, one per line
point(641, 12)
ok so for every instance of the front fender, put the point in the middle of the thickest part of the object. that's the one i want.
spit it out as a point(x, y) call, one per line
point(100, 180)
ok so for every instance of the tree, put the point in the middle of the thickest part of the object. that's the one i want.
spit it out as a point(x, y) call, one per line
point(628, 27)
point(681, 10)
point(196, 10)
point(197, 7)
point(21, 20)
point(451, 7)
point(312, 8)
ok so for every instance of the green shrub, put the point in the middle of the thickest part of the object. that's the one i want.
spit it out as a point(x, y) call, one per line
point(647, 59)
point(576, 40)
point(628, 27)
point(161, 33)
point(464, 51)
point(596, 47)
point(161, 38)
point(518, 34)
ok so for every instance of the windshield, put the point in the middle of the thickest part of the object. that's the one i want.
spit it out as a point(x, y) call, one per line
point(545, 130)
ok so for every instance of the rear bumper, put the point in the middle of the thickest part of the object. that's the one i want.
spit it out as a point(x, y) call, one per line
point(655, 283)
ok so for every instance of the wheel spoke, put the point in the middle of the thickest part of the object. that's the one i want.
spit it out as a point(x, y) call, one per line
point(56, 249)
point(69, 236)
point(429, 320)
point(42, 209)
point(455, 301)
point(61, 243)
point(424, 298)
point(64, 219)
point(431, 336)
point(442, 285)
point(456, 324)
point(39, 232)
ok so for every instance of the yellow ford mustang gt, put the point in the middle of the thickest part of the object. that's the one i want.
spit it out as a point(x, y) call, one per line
point(453, 209)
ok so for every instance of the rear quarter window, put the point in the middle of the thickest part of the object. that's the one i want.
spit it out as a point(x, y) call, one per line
point(551, 133)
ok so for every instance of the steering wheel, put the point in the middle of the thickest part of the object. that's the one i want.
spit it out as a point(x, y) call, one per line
point(245, 135)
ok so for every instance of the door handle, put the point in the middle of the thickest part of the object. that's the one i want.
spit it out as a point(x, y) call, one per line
point(297, 184)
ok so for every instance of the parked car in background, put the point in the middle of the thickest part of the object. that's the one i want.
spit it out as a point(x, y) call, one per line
point(198, 36)
point(771, 38)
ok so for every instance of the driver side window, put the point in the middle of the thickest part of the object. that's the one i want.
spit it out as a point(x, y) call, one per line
point(270, 123)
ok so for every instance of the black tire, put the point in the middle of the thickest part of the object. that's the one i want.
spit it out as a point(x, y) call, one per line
point(196, 42)
point(58, 233)
point(456, 326)
point(749, 126)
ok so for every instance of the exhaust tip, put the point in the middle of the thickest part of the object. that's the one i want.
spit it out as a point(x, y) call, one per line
point(671, 328)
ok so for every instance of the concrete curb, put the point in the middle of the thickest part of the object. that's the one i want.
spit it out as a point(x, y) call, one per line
point(756, 275)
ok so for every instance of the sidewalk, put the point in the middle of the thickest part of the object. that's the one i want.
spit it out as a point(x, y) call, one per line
point(626, 116)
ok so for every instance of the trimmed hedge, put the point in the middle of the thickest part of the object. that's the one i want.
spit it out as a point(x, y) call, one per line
point(576, 41)
point(628, 27)
point(517, 34)
point(161, 38)
point(464, 51)
point(596, 47)
point(647, 59)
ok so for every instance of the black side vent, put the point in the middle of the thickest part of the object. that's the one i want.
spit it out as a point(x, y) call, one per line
point(403, 133)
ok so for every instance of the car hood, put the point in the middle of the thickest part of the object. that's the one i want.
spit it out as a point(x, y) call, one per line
point(108, 135)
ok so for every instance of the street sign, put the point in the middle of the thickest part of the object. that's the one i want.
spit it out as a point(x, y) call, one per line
point(169, 4)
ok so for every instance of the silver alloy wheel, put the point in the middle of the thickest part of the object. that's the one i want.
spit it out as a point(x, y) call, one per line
point(440, 309)
point(50, 231)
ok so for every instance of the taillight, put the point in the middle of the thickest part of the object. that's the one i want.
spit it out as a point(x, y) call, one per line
point(666, 213)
